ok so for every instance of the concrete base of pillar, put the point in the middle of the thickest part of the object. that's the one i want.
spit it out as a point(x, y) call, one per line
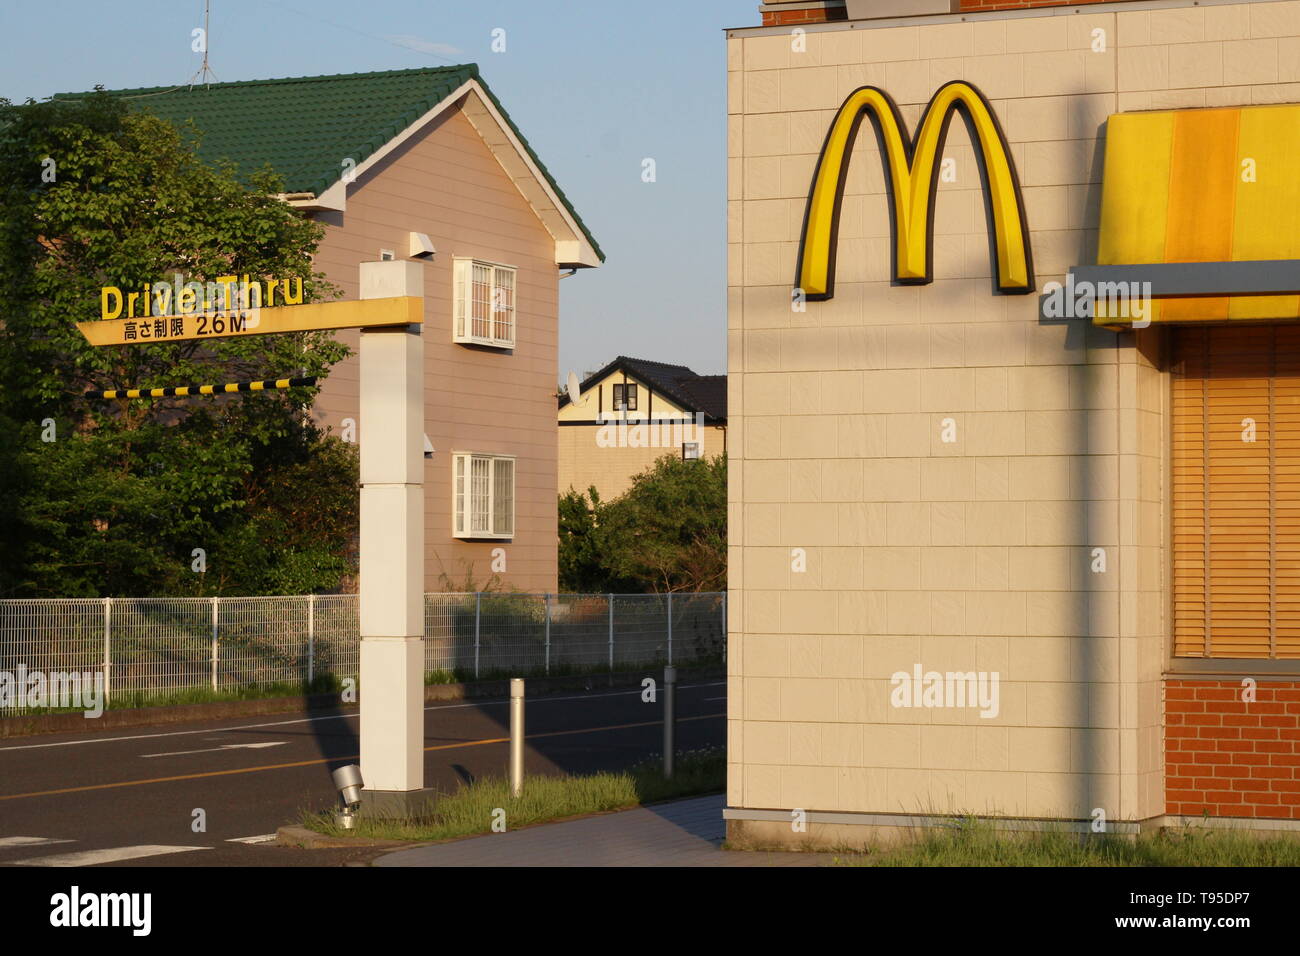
point(390, 804)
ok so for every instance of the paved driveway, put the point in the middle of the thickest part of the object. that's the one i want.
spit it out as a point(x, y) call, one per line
point(681, 833)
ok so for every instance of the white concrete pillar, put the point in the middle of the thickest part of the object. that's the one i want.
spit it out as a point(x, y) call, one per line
point(392, 543)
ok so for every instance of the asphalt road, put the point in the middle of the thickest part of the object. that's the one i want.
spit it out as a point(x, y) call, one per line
point(98, 798)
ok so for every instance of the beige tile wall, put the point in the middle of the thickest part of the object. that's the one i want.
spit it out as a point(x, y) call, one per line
point(974, 555)
point(584, 463)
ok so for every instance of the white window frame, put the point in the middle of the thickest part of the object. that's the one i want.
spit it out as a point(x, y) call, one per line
point(462, 496)
point(497, 328)
point(698, 448)
point(623, 405)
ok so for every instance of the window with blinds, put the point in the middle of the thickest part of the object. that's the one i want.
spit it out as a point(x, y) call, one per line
point(483, 496)
point(484, 303)
point(1236, 491)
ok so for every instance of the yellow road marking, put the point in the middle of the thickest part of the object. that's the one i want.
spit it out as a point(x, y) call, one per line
point(307, 763)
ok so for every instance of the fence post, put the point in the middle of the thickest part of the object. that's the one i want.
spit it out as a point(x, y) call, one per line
point(214, 642)
point(547, 598)
point(670, 719)
point(311, 638)
point(108, 653)
point(670, 627)
point(478, 612)
point(611, 633)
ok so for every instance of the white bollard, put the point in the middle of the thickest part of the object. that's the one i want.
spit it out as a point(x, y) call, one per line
point(516, 736)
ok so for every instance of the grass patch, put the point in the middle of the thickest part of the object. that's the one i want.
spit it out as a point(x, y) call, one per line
point(970, 842)
point(469, 810)
point(130, 700)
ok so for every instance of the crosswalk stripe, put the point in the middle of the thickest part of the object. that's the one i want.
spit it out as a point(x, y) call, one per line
point(111, 855)
point(30, 841)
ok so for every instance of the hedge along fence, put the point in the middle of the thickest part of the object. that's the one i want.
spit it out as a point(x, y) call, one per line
point(155, 646)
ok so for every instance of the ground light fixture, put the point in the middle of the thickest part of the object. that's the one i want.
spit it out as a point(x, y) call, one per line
point(348, 781)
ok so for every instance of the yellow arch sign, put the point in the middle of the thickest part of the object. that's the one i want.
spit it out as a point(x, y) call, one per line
point(912, 170)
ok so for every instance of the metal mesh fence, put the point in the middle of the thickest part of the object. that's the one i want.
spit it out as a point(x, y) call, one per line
point(154, 647)
point(48, 636)
point(160, 644)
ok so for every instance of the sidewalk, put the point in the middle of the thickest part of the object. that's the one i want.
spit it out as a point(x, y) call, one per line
point(681, 833)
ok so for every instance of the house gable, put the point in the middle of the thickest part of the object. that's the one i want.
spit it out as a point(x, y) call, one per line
point(329, 130)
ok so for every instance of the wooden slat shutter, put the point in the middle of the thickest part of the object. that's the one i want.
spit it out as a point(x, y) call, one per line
point(1286, 507)
point(1236, 491)
point(1189, 408)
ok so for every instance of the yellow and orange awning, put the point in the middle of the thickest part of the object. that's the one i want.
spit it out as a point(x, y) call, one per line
point(1204, 185)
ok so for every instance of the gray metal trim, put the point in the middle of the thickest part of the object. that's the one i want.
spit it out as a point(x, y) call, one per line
point(1187, 668)
point(777, 6)
point(1021, 824)
point(925, 821)
point(1231, 823)
point(1253, 277)
point(973, 15)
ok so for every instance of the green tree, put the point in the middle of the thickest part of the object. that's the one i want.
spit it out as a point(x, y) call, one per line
point(668, 532)
point(94, 193)
point(581, 558)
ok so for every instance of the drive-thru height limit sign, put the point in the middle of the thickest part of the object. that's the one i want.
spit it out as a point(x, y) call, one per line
point(390, 314)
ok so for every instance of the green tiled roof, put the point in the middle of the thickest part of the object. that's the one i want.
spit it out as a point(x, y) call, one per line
point(304, 127)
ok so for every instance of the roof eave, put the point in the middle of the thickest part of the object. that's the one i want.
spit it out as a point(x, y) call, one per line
point(573, 249)
point(572, 254)
point(313, 203)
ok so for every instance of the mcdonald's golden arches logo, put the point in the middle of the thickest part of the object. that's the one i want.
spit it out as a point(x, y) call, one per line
point(912, 172)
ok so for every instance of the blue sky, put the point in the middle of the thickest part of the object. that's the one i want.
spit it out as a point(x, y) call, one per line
point(596, 86)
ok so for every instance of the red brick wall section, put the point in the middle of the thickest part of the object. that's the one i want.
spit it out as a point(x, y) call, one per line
point(1230, 758)
point(780, 18)
point(777, 18)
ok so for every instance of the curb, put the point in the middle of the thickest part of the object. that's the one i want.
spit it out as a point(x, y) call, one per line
point(304, 839)
point(304, 706)
point(298, 836)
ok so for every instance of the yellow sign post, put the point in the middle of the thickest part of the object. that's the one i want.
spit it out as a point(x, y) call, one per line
point(364, 314)
point(390, 314)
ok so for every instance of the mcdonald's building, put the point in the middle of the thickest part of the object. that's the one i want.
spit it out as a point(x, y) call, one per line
point(1014, 417)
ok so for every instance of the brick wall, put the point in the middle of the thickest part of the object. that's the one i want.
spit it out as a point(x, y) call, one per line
point(1229, 758)
point(779, 18)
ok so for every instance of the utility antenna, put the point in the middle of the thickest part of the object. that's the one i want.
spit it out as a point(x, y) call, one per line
point(205, 71)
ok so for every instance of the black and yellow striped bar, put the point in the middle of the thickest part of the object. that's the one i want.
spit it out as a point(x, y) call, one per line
point(185, 391)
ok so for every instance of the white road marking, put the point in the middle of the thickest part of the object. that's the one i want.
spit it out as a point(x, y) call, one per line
point(30, 841)
point(352, 716)
point(113, 855)
point(212, 750)
point(264, 838)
